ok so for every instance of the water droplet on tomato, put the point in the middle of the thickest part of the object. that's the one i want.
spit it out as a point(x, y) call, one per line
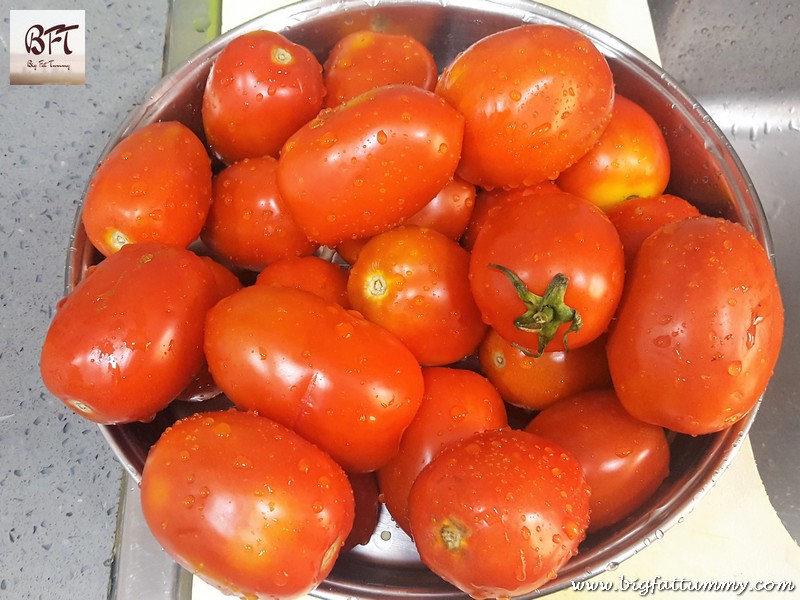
point(241, 462)
point(222, 430)
point(188, 501)
point(623, 451)
point(735, 368)
point(571, 528)
point(662, 341)
point(381, 137)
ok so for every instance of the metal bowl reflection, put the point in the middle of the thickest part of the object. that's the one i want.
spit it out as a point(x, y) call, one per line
point(705, 169)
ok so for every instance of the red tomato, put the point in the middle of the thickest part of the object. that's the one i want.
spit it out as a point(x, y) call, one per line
point(560, 276)
point(154, 185)
point(369, 164)
point(535, 98)
point(261, 88)
point(630, 159)
point(699, 329)
point(457, 403)
point(637, 218)
point(310, 273)
point(449, 211)
point(246, 504)
point(487, 201)
point(364, 60)
point(129, 338)
point(534, 383)
point(624, 460)
point(499, 513)
point(415, 282)
point(226, 281)
point(337, 379)
point(248, 224)
point(368, 509)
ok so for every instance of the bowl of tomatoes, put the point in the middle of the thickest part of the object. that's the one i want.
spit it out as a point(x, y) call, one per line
point(412, 299)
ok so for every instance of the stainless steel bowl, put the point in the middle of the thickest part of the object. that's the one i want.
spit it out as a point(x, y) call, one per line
point(705, 170)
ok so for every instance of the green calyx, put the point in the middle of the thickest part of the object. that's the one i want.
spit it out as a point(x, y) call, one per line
point(543, 314)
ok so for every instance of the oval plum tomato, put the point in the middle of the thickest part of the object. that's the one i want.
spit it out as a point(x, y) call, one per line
point(367, 165)
point(311, 273)
point(338, 380)
point(367, 511)
point(699, 328)
point(261, 88)
point(630, 159)
point(547, 271)
point(364, 60)
point(246, 504)
point(154, 186)
point(449, 211)
point(414, 282)
point(535, 98)
point(457, 403)
point(486, 201)
point(129, 338)
point(624, 459)
point(248, 225)
point(499, 513)
point(535, 383)
point(637, 218)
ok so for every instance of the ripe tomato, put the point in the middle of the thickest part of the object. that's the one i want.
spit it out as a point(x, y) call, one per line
point(367, 509)
point(699, 329)
point(630, 159)
point(457, 403)
point(560, 271)
point(624, 460)
point(248, 225)
point(499, 513)
point(226, 281)
point(535, 98)
point(261, 88)
point(486, 201)
point(310, 273)
point(154, 185)
point(129, 338)
point(246, 504)
point(415, 282)
point(534, 383)
point(637, 218)
point(335, 378)
point(367, 165)
point(364, 60)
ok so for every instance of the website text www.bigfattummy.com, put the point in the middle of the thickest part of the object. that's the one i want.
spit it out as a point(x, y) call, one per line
point(653, 585)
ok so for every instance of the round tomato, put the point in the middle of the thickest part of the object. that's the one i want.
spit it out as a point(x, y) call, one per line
point(129, 338)
point(154, 186)
point(335, 378)
point(367, 165)
point(534, 383)
point(248, 225)
point(457, 403)
point(365, 59)
point(261, 88)
point(246, 504)
point(311, 273)
point(630, 159)
point(624, 460)
point(535, 98)
point(499, 513)
point(637, 218)
point(414, 282)
point(699, 329)
point(547, 271)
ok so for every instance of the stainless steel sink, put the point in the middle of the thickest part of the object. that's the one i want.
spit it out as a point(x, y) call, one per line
point(741, 61)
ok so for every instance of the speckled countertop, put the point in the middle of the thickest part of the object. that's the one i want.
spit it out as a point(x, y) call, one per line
point(59, 481)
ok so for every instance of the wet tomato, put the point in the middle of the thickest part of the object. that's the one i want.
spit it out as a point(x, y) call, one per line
point(699, 328)
point(624, 459)
point(311, 273)
point(535, 98)
point(154, 186)
point(344, 383)
point(246, 504)
point(367, 165)
point(414, 282)
point(129, 338)
point(457, 403)
point(499, 513)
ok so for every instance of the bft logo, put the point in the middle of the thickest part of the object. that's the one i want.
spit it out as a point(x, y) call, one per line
point(48, 47)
